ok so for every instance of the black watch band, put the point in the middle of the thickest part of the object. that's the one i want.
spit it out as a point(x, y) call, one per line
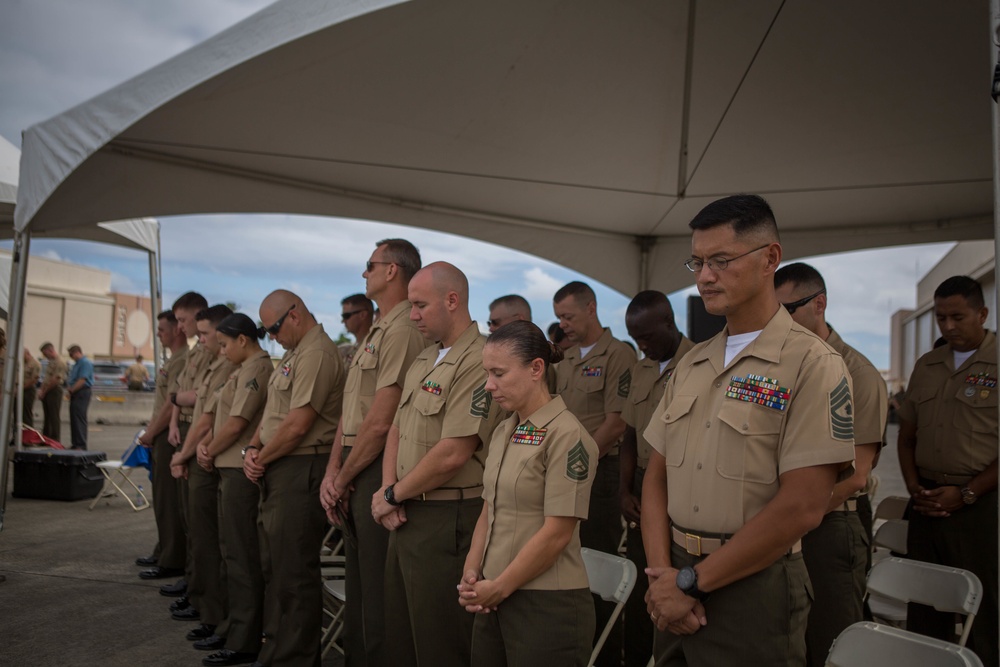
point(687, 583)
point(390, 496)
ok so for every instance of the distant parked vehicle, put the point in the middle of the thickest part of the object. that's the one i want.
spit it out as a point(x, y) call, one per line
point(108, 375)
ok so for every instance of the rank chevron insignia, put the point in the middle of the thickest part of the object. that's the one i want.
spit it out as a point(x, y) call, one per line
point(252, 385)
point(842, 412)
point(577, 463)
point(481, 402)
point(624, 382)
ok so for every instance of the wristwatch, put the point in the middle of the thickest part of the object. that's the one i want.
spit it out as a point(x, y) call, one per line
point(390, 496)
point(243, 452)
point(687, 582)
point(968, 495)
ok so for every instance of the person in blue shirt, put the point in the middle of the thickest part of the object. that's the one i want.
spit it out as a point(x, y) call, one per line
point(81, 379)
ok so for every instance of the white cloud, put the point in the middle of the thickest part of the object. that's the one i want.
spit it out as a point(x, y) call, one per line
point(540, 285)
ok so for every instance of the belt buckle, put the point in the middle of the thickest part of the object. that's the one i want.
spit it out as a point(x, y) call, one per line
point(423, 497)
point(696, 540)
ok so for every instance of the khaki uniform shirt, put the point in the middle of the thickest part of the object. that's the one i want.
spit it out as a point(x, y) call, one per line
point(195, 366)
point(382, 359)
point(598, 384)
point(954, 409)
point(137, 373)
point(213, 381)
point(57, 368)
point(447, 400)
point(644, 394)
point(724, 454)
point(543, 466)
point(312, 374)
point(243, 395)
point(169, 378)
point(32, 371)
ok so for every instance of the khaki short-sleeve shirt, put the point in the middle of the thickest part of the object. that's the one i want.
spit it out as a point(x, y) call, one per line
point(195, 367)
point(871, 396)
point(32, 371)
point(312, 374)
point(168, 378)
point(215, 378)
point(57, 369)
point(542, 466)
point(243, 395)
point(381, 360)
point(648, 385)
point(446, 400)
point(728, 432)
point(597, 384)
point(954, 409)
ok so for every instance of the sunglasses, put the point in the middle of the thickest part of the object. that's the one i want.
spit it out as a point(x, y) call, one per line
point(276, 327)
point(369, 265)
point(346, 316)
point(795, 305)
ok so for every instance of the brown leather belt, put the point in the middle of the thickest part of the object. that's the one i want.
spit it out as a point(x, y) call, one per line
point(849, 505)
point(944, 478)
point(311, 449)
point(702, 545)
point(451, 494)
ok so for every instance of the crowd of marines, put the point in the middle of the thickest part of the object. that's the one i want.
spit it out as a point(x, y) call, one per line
point(465, 473)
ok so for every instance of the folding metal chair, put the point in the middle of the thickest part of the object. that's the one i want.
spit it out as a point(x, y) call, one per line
point(872, 645)
point(892, 507)
point(334, 604)
point(891, 535)
point(116, 476)
point(613, 578)
point(948, 589)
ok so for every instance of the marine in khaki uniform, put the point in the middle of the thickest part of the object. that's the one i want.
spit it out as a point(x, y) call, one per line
point(288, 457)
point(507, 309)
point(594, 380)
point(136, 375)
point(650, 322)
point(237, 409)
point(206, 586)
point(32, 371)
point(354, 472)
point(751, 434)
point(170, 553)
point(948, 457)
point(51, 391)
point(836, 553)
point(524, 575)
point(433, 475)
point(357, 314)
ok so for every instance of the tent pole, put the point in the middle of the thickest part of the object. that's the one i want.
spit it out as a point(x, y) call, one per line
point(645, 244)
point(19, 395)
point(995, 57)
point(154, 301)
point(18, 279)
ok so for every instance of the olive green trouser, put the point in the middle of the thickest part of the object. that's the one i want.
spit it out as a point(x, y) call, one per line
point(639, 628)
point(206, 576)
point(239, 507)
point(603, 531)
point(759, 620)
point(167, 507)
point(536, 629)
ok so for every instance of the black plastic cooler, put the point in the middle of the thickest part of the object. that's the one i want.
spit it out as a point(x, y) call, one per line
point(57, 474)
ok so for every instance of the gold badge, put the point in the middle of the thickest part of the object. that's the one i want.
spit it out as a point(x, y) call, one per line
point(984, 394)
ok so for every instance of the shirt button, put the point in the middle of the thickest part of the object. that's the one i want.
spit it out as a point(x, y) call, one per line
point(708, 424)
point(699, 466)
point(718, 384)
point(695, 508)
point(746, 426)
point(667, 415)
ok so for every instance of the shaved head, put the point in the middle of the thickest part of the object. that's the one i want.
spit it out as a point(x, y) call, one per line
point(286, 311)
point(439, 300)
point(445, 278)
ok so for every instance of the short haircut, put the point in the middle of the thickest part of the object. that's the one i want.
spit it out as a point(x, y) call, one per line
point(74, 348)
point(578, 290)
point(190, 301)
point(403, 254)
point(214, 315)
point(358, 301)
point(749, 215)
point(167, 315)
point(515, 303)
point(648, 300)
point(556, 334)
point(138, 357)
point(800, 273)
point(962, 286)
point(45, 345)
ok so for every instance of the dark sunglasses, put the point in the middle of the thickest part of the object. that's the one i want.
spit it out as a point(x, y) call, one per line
point(493, 323)
point(346, 316)
point(369, 265)
point(795, 305)
point(276, 327)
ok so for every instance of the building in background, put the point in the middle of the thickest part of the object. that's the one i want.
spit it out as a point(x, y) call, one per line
point(913, 332)
point(69, 303)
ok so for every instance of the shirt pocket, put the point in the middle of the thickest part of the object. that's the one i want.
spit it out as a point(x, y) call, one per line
point(976, 413)
point(749, 451)
point(281, 385)
point(676, 425)
point(593, 390)
point(430, 407)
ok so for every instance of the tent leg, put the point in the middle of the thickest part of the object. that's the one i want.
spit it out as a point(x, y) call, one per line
point(18, 279)
point(995, 57)
point(154, 302)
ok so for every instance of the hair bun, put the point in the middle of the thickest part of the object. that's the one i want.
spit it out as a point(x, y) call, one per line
point(261, 332)
point(555, 353)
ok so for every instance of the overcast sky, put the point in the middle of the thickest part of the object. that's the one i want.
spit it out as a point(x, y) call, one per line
point(55, 54)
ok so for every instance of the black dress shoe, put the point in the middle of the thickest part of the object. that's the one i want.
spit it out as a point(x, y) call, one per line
point(180, 603)
point(227, 657)
point(213, 643)
point(258, 664)
point(161, 572)
point(146, 561)
point(201, 632)
point(174, 590)
point(189, 614)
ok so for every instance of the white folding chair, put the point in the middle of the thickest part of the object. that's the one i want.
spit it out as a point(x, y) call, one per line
point(116, 475)
point(873, 645)
point(334, 604)
point(947, 589)
point(612, 578)
point(892, 507)
point(891, 535)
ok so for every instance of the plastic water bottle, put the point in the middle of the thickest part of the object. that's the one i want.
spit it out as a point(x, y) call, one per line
point(139, 500)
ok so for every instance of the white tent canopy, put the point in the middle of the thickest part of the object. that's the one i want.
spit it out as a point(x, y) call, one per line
point(588, 133)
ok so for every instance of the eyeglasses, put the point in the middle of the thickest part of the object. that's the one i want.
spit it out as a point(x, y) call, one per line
point(346, 316)
point(493, 323)
point(370, 265)
point(276, 327)
point(716, 263)
point(795, 305)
